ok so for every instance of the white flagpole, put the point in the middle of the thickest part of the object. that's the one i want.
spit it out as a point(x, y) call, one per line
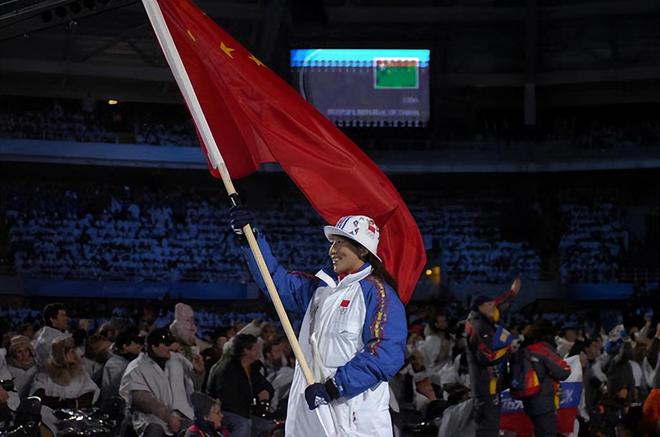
point(182, 79)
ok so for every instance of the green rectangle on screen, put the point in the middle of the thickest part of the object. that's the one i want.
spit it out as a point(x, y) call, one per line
point(396, 75)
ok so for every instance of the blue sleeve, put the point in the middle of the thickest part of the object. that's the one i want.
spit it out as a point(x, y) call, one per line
point(295, 289)
point(384, 336)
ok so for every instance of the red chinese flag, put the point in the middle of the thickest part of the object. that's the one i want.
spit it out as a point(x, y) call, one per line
point(256, 117)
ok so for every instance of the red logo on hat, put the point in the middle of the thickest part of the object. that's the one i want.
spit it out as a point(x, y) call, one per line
point(344, 303)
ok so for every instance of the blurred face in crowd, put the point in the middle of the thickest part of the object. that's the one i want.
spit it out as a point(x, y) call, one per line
point(185, 326)
point(132, 348)
point(28, 331)
point(111, 334)
point(488, 309)
point(23, 356)
point(622, 393)
point(345, 256)
point(268, 332)
point(252, 353)
point(417, 360)
point(275, 353)
point(593, 350)
point(570, 335)
point(71, 357)
point(441, 322)
point(215, 416)
point(161, 351)
point(101, 349)
point(220, 342)
point(61, 321)
point(175, 347)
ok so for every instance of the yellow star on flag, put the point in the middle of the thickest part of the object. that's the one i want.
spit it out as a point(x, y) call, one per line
point(192, 37)
point(226, 49)
point(256, 61)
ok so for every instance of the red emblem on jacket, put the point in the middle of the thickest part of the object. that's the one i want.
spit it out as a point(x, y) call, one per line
point(344, 303)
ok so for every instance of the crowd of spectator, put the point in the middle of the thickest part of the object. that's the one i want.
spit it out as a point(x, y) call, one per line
point(54, 123)
point(594, 243)
point(141, 234)
point(79, 356)
point(159, 133)
point(167, 125)
point(469, 235)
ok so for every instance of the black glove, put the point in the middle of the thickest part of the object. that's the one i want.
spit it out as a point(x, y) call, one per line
point(238, 218)
point(321, 394)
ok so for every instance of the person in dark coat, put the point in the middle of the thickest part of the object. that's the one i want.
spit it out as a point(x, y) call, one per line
point(550, 369)
point(237, 381)
point(610, 417)
point(208, 417)
point(488, 347)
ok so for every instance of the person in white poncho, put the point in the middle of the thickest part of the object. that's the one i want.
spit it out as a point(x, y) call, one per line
point(64, 383)
point(157, 387)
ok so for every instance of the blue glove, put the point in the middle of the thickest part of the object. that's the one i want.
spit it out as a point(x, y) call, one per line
point(321, 394)
point(238, 218)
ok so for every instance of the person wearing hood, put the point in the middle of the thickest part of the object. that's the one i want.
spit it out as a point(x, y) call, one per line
point(64, 383)
point(488, 347)
point(550, 369)
point(125, 349)
point(353, 333)
point(208, 417)
point(157, 387)
point(184, 330)
point(21, 365)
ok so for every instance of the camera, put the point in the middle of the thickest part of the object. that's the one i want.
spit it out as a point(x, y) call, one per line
point(7, 384)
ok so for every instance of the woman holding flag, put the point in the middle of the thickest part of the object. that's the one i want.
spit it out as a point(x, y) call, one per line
point(353, 332)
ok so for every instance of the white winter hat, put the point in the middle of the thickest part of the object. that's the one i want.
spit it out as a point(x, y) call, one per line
point(359, 228)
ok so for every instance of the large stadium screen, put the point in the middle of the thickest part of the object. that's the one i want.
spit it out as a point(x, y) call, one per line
point(365, 88)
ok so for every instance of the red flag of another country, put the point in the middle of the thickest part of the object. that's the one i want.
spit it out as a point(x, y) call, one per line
point(256, 117)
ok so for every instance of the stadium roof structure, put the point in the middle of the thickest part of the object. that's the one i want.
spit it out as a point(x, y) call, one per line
point(74, 48)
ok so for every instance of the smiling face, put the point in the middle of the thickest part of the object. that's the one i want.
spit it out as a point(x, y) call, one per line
point(345, 256)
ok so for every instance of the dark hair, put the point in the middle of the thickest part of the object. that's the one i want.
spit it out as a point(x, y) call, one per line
point(50, 312)
point(379, 269)
point(159, 336)
point(242, 342)
point(381, 272)
point(541, 330)
point(577, 348)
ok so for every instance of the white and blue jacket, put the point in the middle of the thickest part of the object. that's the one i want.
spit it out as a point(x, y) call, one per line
point(354, 330)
